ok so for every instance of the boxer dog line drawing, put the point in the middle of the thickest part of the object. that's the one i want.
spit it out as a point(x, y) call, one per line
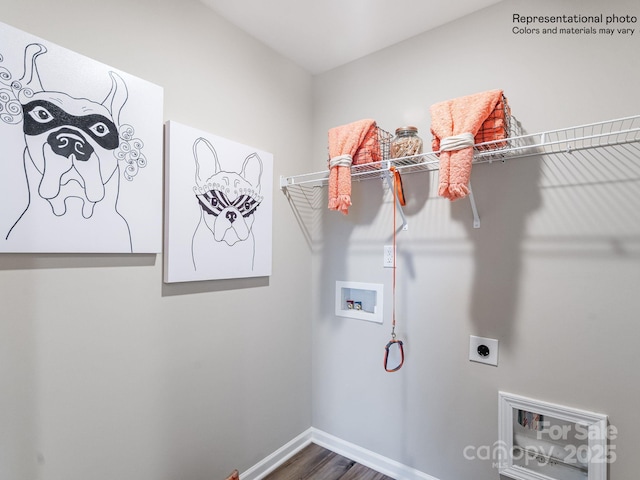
point(73, 147)
point(228, 201)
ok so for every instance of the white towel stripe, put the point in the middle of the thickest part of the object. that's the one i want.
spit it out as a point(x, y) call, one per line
point(456, 142)
point(341, 161)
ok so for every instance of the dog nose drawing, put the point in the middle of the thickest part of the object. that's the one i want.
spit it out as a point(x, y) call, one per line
point(67, 142)
point(67, 149)
point(231, 216)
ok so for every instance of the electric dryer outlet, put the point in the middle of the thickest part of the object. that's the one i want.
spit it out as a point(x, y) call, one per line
point(483, 350)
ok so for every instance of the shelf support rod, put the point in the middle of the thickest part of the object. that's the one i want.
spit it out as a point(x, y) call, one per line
point(387, 177)
point(474, 208)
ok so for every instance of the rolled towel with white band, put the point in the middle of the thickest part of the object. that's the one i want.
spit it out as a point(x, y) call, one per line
point(341, 161)
point(456, 142)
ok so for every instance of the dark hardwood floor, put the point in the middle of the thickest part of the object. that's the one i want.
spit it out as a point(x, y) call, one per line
point(318, 463)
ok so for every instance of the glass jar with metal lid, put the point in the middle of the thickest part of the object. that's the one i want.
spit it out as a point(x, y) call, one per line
point(406, 143)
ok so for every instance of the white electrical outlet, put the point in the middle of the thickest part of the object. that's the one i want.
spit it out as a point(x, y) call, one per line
point(387, 260)
point(483, 350)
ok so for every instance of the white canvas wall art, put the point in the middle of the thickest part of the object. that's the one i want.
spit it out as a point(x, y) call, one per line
point(81, 149)
point(218, 207)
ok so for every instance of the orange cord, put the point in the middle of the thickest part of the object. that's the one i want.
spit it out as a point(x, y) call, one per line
point(397, 190)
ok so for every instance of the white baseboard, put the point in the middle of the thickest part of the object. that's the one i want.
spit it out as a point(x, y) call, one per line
point(370, 459)
point(277, 458)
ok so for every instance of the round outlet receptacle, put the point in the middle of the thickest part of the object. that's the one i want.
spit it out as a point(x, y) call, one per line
point(483, 350)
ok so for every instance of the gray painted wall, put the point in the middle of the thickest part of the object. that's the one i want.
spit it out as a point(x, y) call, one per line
point(104, 371)
point(107, 373)
point(552, 272)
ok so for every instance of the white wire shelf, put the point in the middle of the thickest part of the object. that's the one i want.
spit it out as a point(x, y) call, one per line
point(600, 135)
point(567, 140)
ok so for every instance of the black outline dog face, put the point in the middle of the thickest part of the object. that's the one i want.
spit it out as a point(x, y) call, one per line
point(71, 142)
point(228, 199)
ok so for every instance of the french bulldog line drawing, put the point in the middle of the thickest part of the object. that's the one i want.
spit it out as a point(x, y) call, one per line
point(71, 163)
point(228, 201)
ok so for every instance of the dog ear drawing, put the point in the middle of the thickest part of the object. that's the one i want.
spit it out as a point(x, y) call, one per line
point(30, 81)
point(206, 159)
point(116, 98)
point(252, 170)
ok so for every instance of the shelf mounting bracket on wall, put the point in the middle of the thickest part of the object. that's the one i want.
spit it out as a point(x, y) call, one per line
point(474, 208)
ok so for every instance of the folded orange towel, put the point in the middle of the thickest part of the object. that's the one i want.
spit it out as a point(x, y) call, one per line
point(454, 124)
point(351, 144)
point(495, 127)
